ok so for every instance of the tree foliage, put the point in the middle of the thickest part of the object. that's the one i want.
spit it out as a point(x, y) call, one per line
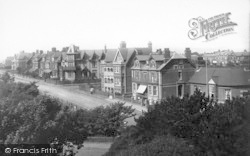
point(28, 117)
point(6, 77)
point(212, 129)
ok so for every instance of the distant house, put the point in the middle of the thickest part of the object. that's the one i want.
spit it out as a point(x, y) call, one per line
point(45, 62)
point(8, 62)
point(20, 60)
point(220, 58)
point(55, 63)
point(107, 71)
point(221, 83)
point(155, 77)
point(243, 58)
point(68, 64)
point(88, 62)
point(36, 62)
point(122, 63)
point(42, 64)
point(79, 64)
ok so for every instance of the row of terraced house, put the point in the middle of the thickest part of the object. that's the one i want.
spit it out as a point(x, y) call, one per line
point(144, 75)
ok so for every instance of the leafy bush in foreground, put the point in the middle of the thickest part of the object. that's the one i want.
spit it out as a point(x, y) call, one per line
point(27, 117)
point(211, 128)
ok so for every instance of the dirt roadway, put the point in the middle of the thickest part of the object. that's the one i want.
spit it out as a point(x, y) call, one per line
point(75, 96)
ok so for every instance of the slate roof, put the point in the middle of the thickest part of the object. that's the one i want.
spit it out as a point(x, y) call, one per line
point(242, 54)
point(175, 56)
point(37, 55)
point(109, 55)
point(158, 57)
point(128, 52)
point(89, 54)
point(24, 55)
point(142, 57)
point(222, 76)
point(143, 51)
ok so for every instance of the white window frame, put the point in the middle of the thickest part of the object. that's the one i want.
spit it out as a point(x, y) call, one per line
point(180, 76)
point(175, 67)
point(150, 90)
point(156, 89)
point(228, 92)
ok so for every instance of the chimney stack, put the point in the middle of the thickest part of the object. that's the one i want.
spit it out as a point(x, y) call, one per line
point(150, 46)
point(159, 51)
point(166, 53)
point(105, 49)
point(188, 53)
point(123, 44)
point(53, 49)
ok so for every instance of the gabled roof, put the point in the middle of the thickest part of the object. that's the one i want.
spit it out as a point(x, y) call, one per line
point(158, 57)
point(175, 56)
point(142, 57)
point(72, 49)
point(128, 52)
point(124, 53)
point(110, 55)
point(90, 54)
point(24, 55)
point(222, 76)
point(143, 51)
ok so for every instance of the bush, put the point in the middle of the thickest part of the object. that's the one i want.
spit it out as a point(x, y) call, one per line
point(211, 128)
point(27, 117)
point(160, 146)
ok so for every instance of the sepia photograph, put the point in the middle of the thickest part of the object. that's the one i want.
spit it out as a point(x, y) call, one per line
point(124, 77)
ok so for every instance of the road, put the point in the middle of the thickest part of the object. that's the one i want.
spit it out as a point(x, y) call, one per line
point(69, 94)
point(73, 95)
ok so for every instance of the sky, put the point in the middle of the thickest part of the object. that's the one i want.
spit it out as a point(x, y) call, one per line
point(90, 24)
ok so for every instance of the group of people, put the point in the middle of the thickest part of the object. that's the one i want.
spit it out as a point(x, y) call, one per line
point(66, 149)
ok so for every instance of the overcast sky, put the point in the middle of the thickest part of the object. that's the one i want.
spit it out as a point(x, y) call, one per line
point(41, 24)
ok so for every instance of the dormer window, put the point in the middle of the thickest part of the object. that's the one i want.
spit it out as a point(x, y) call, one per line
point(137, 64)
point(152, 64)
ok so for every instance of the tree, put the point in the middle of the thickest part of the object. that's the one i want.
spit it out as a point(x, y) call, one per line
point(211, 128)
point(159, 146)
point(110, 120)
point(6, 77)
point(20, 70)
point(27, 117)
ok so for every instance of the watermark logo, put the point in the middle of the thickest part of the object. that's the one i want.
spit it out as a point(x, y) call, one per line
point(211, 28)
point(7, 150)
